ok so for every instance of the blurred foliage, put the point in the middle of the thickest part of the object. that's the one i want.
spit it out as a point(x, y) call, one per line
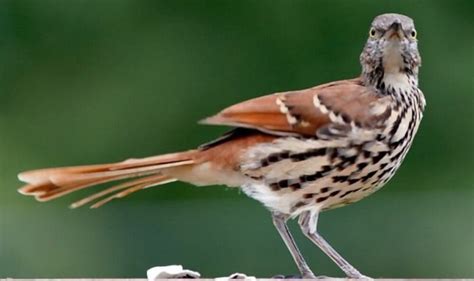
point(96, 81)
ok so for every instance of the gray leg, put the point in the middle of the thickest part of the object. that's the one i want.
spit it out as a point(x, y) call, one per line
point(308, 222)
point(280, 223)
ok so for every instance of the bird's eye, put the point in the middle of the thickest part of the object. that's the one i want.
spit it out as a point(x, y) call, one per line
point(413, 34)
point(372, 32)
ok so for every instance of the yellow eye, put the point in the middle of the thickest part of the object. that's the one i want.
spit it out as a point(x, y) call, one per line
point(413, 34)
point(372, 32)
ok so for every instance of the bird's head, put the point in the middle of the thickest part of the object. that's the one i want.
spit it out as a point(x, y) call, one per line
point(391, 48)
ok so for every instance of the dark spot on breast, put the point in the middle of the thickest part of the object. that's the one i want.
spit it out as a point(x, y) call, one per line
point(384, 172)
point(299, 204)
point(361, 166)
point(274, 186)
point(314, 176)
point(345, 194)
point(325, 189)
point(342, 165)
point(336, 179)
point(346, 162)
point(396, 156)
point(285, 154)
point(349, 192)
point(382, 86)
point(334, 193)
point(321, 199)
point(352, 181)
point(309, 195)
point(368, 176)
point(395, 125)
point(295, 186)
point(397, 105)
point(379, 157)
point(352, 159)
point(283, 183)
point(366, 154)
point(273, 158)
point(326, 168)
point(296, 157)
point(317, 152)
point(254, 177)
point(332, 154)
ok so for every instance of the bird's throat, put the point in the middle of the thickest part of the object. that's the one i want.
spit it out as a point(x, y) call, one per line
point(397, 80)
point(392, 61)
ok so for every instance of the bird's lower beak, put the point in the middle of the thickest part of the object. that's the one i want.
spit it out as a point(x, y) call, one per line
point(395, 31)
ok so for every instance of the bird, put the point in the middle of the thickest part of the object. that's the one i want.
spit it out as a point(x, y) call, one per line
point(298, 152)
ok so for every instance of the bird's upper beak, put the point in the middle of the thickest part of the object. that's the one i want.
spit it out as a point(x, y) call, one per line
point(395, 31)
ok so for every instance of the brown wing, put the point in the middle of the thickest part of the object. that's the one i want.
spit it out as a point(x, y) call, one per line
point(304, 112)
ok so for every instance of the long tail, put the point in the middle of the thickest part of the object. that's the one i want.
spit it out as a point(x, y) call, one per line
point(47, 184)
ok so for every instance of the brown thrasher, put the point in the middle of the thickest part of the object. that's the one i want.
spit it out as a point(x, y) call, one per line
point(298, 152)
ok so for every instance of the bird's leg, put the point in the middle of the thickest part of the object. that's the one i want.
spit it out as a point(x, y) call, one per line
point(279, 221)
point(308, 222)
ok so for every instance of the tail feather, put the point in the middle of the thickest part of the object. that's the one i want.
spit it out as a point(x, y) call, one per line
point(47, 191)
point(42, 176)
point(48, 184)
point(131, 190)
point(152, 160)
point(60, 190)
point(154, 179)
point(63, 179)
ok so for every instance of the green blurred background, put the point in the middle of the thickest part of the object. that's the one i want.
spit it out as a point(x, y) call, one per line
point(98, 81)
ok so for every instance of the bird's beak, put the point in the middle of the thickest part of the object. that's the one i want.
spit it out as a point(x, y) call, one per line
point(395, 31)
